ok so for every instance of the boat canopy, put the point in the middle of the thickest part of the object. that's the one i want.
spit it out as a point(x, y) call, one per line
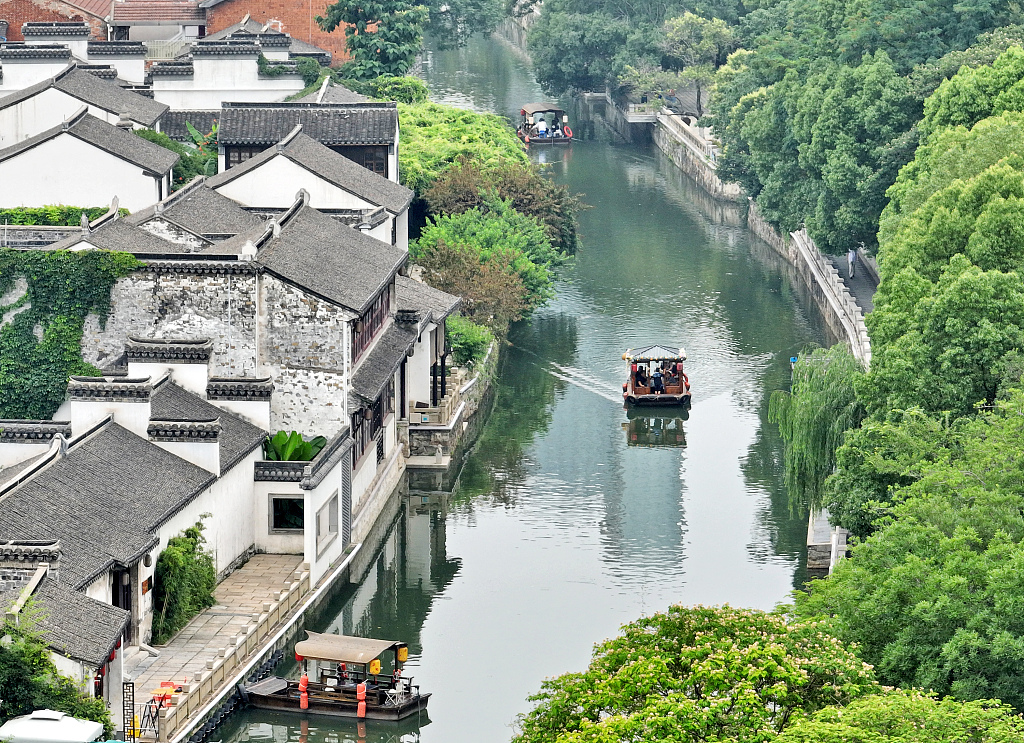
point(654, 353)
point(343, 648)
point(530, 109)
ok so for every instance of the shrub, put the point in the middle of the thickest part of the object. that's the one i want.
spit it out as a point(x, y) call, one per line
point(284, 447)
point(198, 160)
point(184, 580)
point(55, 215)
point(469, 340)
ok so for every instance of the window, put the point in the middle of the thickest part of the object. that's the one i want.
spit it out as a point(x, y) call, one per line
point(372, 158)
point(327, 524)
point(237, 155)
point(365, 329)
point(287, 514)
point(366, 430)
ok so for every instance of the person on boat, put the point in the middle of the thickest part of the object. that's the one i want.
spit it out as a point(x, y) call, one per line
point(641, 377)
point(657, 383)
point(542, 127)
point(556, 130)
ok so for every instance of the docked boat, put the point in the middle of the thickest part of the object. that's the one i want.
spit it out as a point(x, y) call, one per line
point(543, 123)
point(656, 376)
point(342, 677)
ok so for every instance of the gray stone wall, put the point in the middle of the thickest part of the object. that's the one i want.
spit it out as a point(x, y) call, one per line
point(157, 302)
point(14, 575)
point(302, 345)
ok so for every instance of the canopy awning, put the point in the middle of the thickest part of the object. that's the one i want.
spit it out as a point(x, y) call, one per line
point(655, 353)
point(535, 108)
point(342, 648)
point(48, 726)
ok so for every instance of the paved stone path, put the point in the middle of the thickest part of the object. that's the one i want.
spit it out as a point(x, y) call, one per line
point(861, 286)
point(238, 596)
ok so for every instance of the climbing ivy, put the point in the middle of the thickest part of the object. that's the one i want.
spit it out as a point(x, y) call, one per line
point(45, 297)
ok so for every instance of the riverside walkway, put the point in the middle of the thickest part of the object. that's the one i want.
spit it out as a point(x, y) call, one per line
point(239, 597)
point(862, 286)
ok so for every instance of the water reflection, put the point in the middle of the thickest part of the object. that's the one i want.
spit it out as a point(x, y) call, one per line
point(277, 727)
point(569, 517)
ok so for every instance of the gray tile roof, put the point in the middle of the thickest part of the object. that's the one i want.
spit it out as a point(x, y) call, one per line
point(237, 437)
point(20, 50)
point(119, 235)
point(330, 124)
point(381, 363)
point(78, 626)
point(202, 211)
point(334, 93)
point(152, 158)
point(173, 123)
point(297, 48)
point(415, 296)
point(332, 167)
point(97, 88)
point(104, 500)
point(330, 259)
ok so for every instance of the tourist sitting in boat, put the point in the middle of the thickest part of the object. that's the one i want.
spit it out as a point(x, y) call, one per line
point(542, 127)
point(641, 377)
point(656, 377)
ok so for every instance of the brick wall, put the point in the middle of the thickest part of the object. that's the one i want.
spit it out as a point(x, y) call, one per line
point(296, 20)
point(17, 12)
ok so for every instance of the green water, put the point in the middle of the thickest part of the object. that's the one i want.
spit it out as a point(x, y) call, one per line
point(568, 519)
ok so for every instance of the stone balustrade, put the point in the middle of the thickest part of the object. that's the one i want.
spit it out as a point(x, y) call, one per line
point(226, 664)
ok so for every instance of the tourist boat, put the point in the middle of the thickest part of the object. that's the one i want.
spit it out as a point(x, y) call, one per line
point(554, 129)
point(656, 376)
point(341, 677)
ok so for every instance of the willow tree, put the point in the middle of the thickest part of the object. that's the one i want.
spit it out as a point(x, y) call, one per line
point(814, 417)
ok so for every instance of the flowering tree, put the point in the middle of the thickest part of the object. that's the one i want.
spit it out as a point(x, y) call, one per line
point(699, 674)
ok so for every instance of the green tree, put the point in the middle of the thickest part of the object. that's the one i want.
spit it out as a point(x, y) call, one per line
point(909, 717)
point(29, 680)
point(382, 36)
point(200, 159)
point(452, 22)
point(700, 673)
point(934, 598)
point(469, 340)
point(499, 232)
point(695, 46)
point(974, 94)
point(814, 418)
point(575, 51)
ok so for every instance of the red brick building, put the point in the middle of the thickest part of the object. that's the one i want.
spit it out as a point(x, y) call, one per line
point(17, 12)
point(295, 17)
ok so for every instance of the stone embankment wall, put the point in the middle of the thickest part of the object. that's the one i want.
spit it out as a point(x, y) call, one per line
point(692, 154)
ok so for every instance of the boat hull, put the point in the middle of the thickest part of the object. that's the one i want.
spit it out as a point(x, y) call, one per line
point(543, 140)
point(345, 705)
point(658, 400)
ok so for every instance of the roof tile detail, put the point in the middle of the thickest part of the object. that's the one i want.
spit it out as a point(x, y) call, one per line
point(174, 351)
point(329, 124)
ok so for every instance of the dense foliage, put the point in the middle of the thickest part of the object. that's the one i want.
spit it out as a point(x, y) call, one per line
point(499, 233)
point(30, 681)
point(183, 582)
point(382, 37)
point(814, 418)
point(468, 340)
point(45, 297)
point(435, 136)
point(700, 673)
point(200, 159)
point(292, 447)
point(56, 215)
point(467, 185)
point(908, 717)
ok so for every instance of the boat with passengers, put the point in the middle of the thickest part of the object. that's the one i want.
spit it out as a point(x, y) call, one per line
point(343, 676)
point(543, 123)
point(656, 376)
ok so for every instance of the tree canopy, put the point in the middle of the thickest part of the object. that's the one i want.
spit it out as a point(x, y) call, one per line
point(698, 673)
point(383, 37)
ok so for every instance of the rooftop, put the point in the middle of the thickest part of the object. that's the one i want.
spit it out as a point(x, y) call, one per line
point(249, 25)
point(89, 88)
point(380, 364)
point(173, 123)
point(121, 236)
point(330, 259)
point(200, 210)
point(129, 12)
point(78, 626)
point(152, 158)
point(331, 92)
point(416, 296)
point(328, 123)
point(329, 165)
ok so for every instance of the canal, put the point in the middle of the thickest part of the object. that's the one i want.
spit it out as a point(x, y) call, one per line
point(568, 519)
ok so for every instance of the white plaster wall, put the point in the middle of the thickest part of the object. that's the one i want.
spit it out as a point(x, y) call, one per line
point(402, 234)
point(43, 111)
point(382, 231)
point(133, 416)
point(363, 474)
point(73, 669)
point(227, 535)
point(390, 435)
point(132, 69)
point(417, 370)
point(256, 412)
point(278, 544)
point(12, 453)
point(20, 74)
point(315, 500)
point(66, 170)
point(393, 161)
point(275, 183)
point(223, 79)
point(99, 589)
point(192, 377)
point(203, 453)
